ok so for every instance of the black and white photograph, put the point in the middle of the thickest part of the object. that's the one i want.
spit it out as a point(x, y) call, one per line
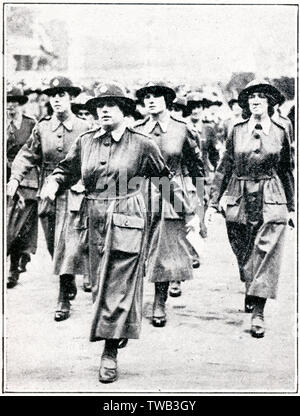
point(149, 204)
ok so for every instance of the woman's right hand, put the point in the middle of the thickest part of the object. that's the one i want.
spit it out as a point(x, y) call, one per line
point(49, 190)
point(12, 187)
point(210, 212)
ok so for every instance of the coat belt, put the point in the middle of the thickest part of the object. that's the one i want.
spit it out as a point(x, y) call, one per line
point(99, 196)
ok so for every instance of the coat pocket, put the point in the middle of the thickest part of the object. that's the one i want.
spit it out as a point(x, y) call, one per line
point(127, 233)
point(234, 209)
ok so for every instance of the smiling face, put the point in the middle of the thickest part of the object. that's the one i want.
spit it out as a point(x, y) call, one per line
point(60, 102)
point(258, 103)
point(110, 115)
point(155, 104)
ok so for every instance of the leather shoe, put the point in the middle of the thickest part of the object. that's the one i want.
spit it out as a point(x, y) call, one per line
point(87, 287)
point(196, 264)
point(174, 289)
point(257, 326)
point(159, 322)
point(12, 279)
point(63, 311)
point(108, 372)
point(24, 259)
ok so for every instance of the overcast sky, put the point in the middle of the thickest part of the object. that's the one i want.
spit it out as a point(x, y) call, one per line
point(195, 39)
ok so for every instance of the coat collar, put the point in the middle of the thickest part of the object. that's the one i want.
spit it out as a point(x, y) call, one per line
point(68, 123)
point(17, 121)
point(163, 124)
point(266, 125)
point(116, 134)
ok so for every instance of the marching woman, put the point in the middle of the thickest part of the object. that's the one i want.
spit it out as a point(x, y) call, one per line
point(256, 174)
point(112, 162)
point(168, 256)
point(48, 143)
point(22, 210)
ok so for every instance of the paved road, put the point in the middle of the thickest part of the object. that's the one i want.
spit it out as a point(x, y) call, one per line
point(205, 347)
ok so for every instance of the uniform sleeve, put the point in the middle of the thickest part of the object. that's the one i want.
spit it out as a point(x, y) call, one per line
point(154, 165)
point(29, 156)
point(285, 172)
point(169, 188)
point(223, 173)
point(192, 157)
point(68, 170)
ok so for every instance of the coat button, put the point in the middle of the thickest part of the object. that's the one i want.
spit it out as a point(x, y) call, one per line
point(59, 136)
point(103, 163)
point(256, 136)
point(59, 149)
point(256, 151)
point(157, 134)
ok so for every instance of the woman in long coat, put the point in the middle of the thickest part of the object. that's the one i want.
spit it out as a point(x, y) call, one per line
point(22, 211)
point(112, 162)
point(168, 253)
point(256, 174)
point(48, 143)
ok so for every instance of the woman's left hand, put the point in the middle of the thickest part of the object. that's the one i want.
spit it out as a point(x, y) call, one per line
point(292, 219)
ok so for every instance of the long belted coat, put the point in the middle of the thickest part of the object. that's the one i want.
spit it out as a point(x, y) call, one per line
point(49, 143)
point(112, 168)
point(169, 252)
point(256, 173)
point(22, 222)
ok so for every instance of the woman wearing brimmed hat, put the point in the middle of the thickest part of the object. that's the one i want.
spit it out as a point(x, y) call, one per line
point(112, 162)
point(168, 252)
point(49, 142)
point(256, 173)
point(22, 221)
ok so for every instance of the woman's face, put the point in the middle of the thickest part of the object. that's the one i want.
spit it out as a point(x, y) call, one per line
point(110, 115)
point(60, 102)
point(155, 104)
point(258, 103)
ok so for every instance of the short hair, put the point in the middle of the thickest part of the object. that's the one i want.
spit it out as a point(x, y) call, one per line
point(247, 113)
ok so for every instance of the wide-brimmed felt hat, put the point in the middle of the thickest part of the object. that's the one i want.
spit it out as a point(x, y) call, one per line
point(156, 87)
point(59, 84)
point(215, 102)
point(112, 92)
point(196, 99)
point(180, 102)
point(76, 107)
point(259, 86)
point(15, 95)
point(33, 91)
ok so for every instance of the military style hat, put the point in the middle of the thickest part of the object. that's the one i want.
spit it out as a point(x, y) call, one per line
point(217, 103)
point(160, 88)
point(33, 91)
point(59, 84)
point(112, 92)
point(15, 95)
point(180, 102)
point(195, 99)
point(259, 86)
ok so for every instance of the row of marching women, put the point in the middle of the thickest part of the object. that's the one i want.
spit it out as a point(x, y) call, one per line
point(117, 195)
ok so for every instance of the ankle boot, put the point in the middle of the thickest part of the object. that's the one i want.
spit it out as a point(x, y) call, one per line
point(159, 306)
point(13, 277)
point(63, 306)
point(257, 320)
point(108, 371)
